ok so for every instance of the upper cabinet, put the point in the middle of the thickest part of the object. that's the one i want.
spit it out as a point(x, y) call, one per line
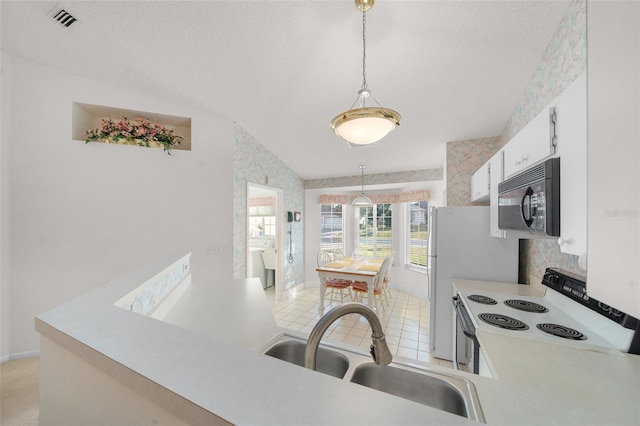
point(571, 136)
point(560, 129)
point(480, 184)
point(613, 67)
point(495, 177)
point(532, 144)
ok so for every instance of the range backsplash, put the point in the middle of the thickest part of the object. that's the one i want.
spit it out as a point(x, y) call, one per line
point(539, 254)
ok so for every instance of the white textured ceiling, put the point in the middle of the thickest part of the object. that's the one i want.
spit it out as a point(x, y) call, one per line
point(283, 69)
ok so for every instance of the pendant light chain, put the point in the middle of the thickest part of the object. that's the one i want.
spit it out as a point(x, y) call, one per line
point(364, 50)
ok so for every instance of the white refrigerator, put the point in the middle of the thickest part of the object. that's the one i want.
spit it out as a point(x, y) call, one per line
point(460, 247)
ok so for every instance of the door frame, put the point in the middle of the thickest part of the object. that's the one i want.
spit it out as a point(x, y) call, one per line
point(278, 193)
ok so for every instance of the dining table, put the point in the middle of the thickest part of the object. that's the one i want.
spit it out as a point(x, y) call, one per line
point(352, 269)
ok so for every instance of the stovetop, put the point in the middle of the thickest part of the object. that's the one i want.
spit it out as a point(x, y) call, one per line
point(525, 323)
point(564, 310)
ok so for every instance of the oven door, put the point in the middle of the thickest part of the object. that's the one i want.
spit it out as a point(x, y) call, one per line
point(466, 349)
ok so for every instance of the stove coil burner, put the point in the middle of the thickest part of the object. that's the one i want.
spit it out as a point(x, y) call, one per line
point(525, 305)
point(561, 331)
point(485, 300)
point(503, 321)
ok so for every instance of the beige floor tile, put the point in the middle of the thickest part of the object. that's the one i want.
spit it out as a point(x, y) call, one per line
point(405, 321)
point(353, 340)
point(407, 353)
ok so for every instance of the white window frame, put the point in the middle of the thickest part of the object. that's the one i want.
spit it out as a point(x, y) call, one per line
point(332, 248)
point(408, 238)
point(377, 248)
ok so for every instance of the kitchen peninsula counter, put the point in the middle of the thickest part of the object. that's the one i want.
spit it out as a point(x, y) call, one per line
point(102, 364)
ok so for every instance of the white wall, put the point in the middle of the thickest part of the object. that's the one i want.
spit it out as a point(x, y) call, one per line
point(408, 280)
point(405, 279)
point(5, 89)
point(81, 214)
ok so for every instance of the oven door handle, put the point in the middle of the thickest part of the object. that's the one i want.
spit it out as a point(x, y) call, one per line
point(463, 319)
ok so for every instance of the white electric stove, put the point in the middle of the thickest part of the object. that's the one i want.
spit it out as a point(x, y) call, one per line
point(565, 315)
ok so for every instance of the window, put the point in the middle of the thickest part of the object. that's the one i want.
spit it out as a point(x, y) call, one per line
point(262, 226)
point(331, 226)
point(417, 234)
point(374, 231)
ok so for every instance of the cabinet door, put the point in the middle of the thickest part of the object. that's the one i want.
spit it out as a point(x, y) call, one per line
point(480, 184)
point(495, 176)
point(613, 66)
point(531, 145)
point(571, 132)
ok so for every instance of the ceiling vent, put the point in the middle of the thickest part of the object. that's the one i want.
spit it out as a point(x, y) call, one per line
point(62, 16)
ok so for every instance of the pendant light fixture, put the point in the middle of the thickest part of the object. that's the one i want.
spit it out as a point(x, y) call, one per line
point(365, 124)
point(362, 200)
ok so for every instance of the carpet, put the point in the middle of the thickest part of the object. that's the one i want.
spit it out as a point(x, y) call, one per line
point(19, 392)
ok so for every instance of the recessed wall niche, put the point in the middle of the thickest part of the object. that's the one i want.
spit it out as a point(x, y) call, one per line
point(87, 116)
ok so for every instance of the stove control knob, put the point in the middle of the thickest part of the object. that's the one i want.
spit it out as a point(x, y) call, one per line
point(552, 278)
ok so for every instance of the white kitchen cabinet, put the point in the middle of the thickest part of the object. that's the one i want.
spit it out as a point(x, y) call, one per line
point(495, 177)
point(532, 144)
point(560, 129)
point(613, 67)
point(571, 134)
point(480, 184)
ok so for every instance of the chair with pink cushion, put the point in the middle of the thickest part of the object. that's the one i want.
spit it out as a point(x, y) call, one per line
point(334, 287)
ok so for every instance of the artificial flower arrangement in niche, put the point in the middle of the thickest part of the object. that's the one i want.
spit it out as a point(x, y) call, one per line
point(139, 131)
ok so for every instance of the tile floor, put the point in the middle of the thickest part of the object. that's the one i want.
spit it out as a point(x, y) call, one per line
point(405, 322)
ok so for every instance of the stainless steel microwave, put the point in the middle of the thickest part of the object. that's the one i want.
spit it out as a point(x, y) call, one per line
point(530, 200)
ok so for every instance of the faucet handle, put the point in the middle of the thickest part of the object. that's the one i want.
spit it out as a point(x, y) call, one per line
point(380, 351)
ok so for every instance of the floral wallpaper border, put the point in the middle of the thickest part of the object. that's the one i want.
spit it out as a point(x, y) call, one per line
point(375, 179)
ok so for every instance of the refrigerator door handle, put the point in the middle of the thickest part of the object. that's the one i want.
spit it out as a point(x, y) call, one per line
point(432, 278)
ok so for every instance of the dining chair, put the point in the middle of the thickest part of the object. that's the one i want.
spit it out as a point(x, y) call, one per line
point(387, 279)
point(337, 254)
point(334, 287)
point(361, 288)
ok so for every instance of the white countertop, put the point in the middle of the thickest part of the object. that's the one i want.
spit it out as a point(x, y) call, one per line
point(554, 383)
point(212, 366)
point(206, 355)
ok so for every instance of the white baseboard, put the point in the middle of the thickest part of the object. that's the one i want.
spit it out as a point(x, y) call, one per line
point(13, 357)
point(410, 291)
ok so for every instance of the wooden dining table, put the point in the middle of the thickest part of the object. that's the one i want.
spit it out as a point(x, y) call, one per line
point(350, 269)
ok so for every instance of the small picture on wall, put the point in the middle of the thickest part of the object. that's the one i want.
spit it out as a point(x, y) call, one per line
point(296, 216)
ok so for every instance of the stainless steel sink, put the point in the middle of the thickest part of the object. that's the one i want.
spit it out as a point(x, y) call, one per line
point(423, 388)
point(328, 362)
point(412, 381)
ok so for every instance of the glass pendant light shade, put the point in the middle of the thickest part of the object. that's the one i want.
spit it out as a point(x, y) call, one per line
point(363, 126)
point(362, 200)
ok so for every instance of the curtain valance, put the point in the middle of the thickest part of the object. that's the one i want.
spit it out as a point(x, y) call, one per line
point(262, 201)
point(334, 199)
point(419, 195)
point(403, 197)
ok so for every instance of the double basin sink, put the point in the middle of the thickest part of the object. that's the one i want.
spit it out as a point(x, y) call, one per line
point(438, 390)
